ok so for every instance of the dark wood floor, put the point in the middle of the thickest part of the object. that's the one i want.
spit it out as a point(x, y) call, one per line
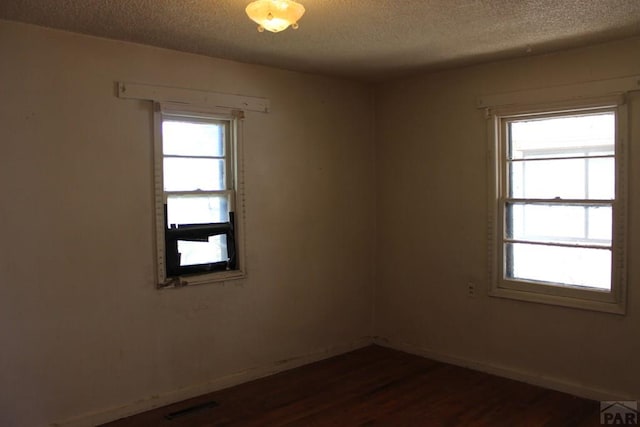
point(377, 386)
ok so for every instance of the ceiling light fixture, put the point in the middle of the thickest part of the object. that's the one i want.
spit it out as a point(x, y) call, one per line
point(275, 15)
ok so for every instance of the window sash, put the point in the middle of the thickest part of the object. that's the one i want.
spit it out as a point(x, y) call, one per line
point(199, 231)
point(585, 241)
point(567, 295)
point(556, 244)
point(537, 159)
point(506, 160)
point(231, 121)
point(181, 156)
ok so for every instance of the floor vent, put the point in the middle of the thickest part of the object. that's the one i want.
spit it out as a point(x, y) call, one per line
point(191, 410)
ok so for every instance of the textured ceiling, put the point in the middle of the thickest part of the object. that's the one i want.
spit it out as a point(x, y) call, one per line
point(367, 39)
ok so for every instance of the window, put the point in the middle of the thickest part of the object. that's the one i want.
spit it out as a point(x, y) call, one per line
point(558, 207)
point(196, 183)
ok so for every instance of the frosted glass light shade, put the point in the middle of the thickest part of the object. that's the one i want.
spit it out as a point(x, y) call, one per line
point(275, 15)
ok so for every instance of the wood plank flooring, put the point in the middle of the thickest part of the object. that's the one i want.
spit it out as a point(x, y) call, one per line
point(376, 386)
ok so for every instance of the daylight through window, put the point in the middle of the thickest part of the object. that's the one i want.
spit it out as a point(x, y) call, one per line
point(558, 209)
point(557, 205)
point(198, 193)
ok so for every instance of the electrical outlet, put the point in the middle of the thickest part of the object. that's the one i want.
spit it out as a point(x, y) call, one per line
point(471, 289)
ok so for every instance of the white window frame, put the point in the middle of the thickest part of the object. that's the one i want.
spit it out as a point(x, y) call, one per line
point(234, 178)
point(613, 301)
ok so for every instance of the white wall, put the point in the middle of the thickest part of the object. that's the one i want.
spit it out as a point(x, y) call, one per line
point(432, 232)
point(82, 327)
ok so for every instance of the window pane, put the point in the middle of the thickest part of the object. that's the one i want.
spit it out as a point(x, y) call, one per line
point(602, 179)
point(559, 265)
point(567, 136)
point(192, 138)
point(566, 179)
point(197, 209)
point(194, 253)
point(193, 174)
point(559, 224)
point(600, 224)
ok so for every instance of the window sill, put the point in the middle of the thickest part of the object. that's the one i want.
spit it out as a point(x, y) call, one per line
point(558, 300)
point(202, 279)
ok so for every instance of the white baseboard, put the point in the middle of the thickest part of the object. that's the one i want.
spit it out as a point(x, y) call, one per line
point(562, 385)
point(167, 398)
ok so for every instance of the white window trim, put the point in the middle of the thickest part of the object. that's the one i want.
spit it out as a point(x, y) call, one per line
point(182, 99)
point(237, 176)
point(164, 94)
point(611, 302)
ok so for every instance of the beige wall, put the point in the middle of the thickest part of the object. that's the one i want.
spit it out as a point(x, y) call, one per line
point(432, 232)
point(81, 325)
